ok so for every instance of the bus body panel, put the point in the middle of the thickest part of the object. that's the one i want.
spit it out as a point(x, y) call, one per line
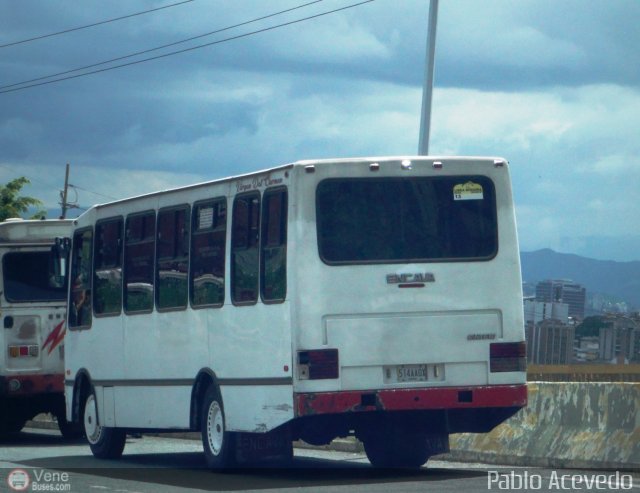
point(154, 357)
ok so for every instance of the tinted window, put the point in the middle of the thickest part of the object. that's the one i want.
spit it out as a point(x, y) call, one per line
point(245, 241)
point(29, 276)
point(172, 258)
point(107, 271)
point(406, 219)
point(209, 232)
point(139, 256)
point(273, 268)
point(79, 312)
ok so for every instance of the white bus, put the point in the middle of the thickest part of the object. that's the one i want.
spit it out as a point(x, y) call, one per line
point(379, 298)
point(32, 308)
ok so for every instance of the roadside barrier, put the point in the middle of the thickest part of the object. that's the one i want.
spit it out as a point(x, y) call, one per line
point(565, 425)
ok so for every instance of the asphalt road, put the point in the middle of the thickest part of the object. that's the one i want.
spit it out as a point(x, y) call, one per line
point(153, 464)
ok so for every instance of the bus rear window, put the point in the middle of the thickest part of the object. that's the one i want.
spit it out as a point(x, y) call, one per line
point(28, 276)
point(393, 220)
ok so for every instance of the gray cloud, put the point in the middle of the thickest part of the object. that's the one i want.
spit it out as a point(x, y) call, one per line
point(543, 82)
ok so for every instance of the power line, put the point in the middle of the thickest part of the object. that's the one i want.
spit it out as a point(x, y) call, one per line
point(92, 25)
point(232, 38)
point(48, 185)
point(94, 193)
point(159, 47)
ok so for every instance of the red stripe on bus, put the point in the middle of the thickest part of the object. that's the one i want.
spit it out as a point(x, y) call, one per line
point(55, 337)
point(411, 399)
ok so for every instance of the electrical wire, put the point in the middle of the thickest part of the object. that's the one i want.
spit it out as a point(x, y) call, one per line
point(159, 47)
point(48, 185)
point(92, 25)
point(94, 193)
point(185, 50)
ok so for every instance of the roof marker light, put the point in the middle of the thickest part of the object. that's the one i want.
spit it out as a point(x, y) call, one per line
point(406, 164)
point(374, 167)
point(310, 168)
point(437, 165)
point(499, 163)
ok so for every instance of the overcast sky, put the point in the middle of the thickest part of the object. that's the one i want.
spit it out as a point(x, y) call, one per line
point(553, 86)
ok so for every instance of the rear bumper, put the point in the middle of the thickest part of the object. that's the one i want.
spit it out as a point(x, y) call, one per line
point(28, 385)
point(439, 398)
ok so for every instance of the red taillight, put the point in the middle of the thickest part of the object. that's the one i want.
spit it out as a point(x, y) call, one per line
point(318, 364)
point(508, 356)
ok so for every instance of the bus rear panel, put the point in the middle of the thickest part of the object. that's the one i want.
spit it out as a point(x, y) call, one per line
point(408, 301)
point(33, 318)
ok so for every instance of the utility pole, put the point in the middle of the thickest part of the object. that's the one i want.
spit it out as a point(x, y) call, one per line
point(427, 89)
point(63, 194)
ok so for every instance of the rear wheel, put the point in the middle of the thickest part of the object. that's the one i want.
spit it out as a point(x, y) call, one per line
point(219, 444)
point(105, 443)
point(70, 431)
point(13, 424)
point(395, 448)
point(12, 418)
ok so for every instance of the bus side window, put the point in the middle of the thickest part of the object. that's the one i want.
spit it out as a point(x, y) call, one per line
point(107, 267)
point(208, 249)
point(79, 312)
point(245, 236)
point(273, 267)
point(139, 255)
point(172, 258)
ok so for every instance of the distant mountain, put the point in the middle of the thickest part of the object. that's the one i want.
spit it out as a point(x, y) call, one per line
point(619, 279)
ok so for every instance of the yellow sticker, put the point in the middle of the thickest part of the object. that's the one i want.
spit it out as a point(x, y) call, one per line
point(468, 191)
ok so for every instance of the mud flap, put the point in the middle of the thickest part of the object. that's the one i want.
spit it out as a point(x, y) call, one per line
point(254, 447)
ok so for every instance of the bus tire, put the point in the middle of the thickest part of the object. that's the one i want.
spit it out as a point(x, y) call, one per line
point(69, 431)
point(12, 425)
point(396, 448)
point(219, 444)
point(105, 443)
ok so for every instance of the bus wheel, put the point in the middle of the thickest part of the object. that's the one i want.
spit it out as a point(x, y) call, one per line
point(105, 443)
point(219, 450)
point(13, 424)
point(396, 448)
point(70, 431)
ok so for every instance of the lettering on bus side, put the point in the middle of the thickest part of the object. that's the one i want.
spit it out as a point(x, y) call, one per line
point(257, 182)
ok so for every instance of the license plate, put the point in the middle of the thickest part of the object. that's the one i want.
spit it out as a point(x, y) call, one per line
point(411, 373)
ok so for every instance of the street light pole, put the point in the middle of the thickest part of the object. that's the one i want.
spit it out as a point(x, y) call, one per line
point(427, 89)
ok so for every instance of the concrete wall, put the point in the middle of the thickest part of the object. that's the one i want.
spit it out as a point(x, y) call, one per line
point(582, 425)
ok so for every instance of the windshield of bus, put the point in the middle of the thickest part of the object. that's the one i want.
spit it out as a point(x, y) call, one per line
point(28, 276)
point(399, 220)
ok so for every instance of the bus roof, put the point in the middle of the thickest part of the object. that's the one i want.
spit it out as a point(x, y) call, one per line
point(17, 230)
point(311, 162)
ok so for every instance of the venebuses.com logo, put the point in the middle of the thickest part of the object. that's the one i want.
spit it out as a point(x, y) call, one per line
point(38, 480)
point(18, 480)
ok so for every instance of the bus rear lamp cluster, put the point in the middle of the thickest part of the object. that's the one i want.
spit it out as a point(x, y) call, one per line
point(507, 356)
point(22, 351)
point(319, 364)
